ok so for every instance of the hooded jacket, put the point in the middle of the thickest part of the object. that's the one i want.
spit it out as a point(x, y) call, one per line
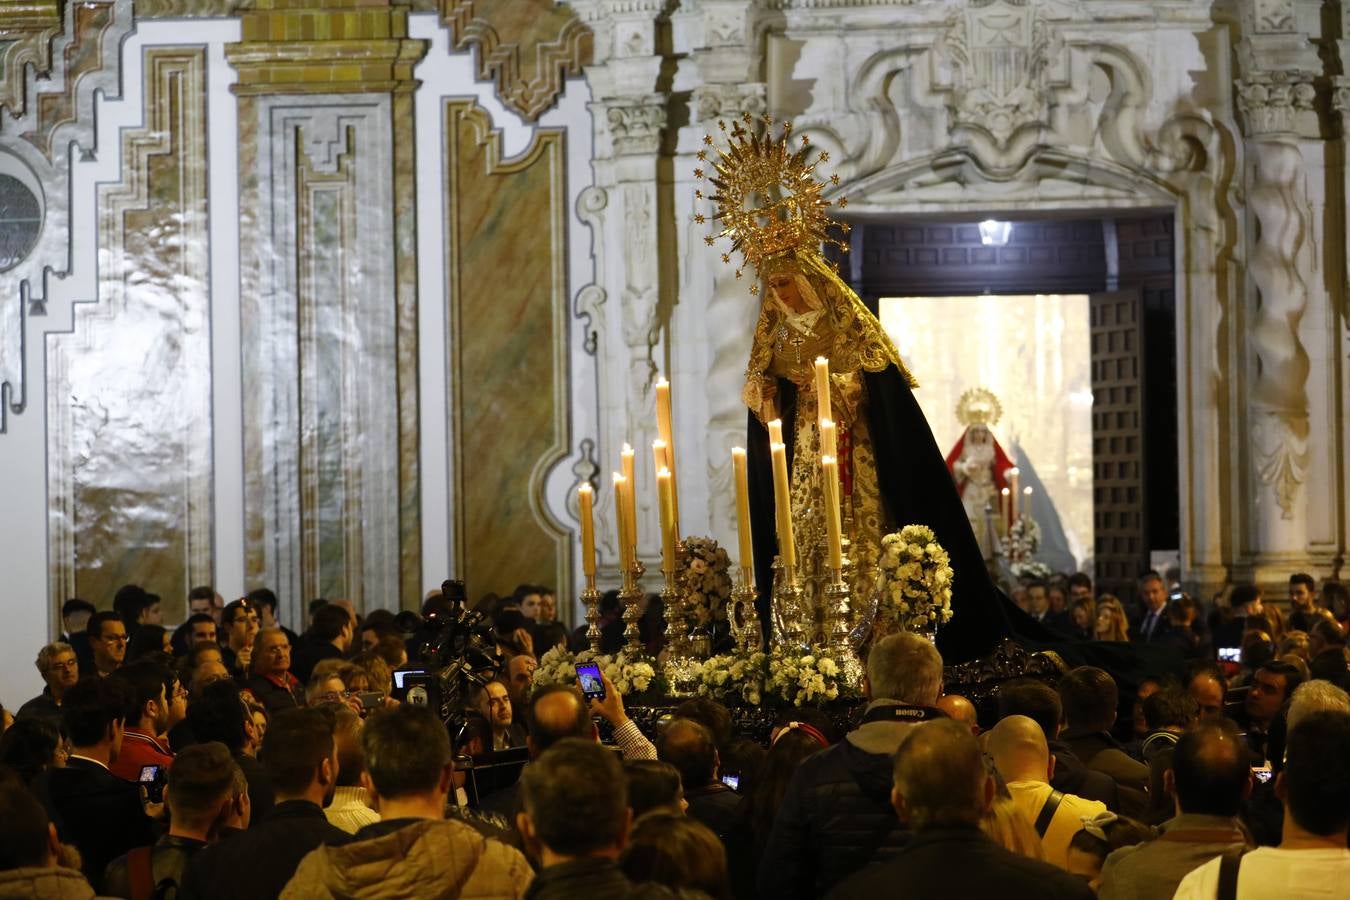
point(427, 859)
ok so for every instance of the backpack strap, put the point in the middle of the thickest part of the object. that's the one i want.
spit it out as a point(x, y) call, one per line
point(1048, 811)
point(1229, 866)
point(140, 877)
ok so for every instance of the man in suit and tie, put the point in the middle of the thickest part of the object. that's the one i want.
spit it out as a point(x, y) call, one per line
point(102, 815)
point(1154, 625)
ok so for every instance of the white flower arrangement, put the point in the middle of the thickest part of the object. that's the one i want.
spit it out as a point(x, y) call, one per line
point(705, 580)
point(1023, 541)
point(805, 679)
point(629, 675)
point(733, 677)
point(914, 581)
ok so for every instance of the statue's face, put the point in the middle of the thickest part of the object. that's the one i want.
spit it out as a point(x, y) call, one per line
point(784, 288)
point(979, 434)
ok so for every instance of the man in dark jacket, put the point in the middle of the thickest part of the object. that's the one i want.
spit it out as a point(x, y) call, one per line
point(330, 637)
point(689, 747)
point(942, 789)
point(837, 816)
point(301, 757)
point(205, 796)
point(100, 814)
point(575, 824)
point(1090, 698)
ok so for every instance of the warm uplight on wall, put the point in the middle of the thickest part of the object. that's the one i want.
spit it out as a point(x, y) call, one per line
point(994, 233)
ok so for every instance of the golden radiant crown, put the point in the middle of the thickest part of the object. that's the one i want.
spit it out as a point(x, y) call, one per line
point(978, 406)
point(767, 198)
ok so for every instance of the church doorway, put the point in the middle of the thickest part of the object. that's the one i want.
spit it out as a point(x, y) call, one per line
point(1071, 323)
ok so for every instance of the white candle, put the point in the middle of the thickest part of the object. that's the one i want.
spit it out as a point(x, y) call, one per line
point(586, 503)
point(665, 427)
point(620, 514)
point(1027, 506)
point(738, 468)
point(782, 496)
point(775, 432)
point(829, 470)
point(628, 460)
point(664, 495)
point(829, 438)
point(823, 389)
point(1013, 475)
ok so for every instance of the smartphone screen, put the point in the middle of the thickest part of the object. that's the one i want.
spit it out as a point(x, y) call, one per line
point(732, 781)
point(149, 774)
point(590, 682)
point(150, 780)
point(1230, 654)
point(1262, 773)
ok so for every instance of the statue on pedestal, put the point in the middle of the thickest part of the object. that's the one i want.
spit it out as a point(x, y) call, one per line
point(980, 467)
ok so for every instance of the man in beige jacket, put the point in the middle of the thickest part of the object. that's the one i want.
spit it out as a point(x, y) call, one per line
point(413, 851)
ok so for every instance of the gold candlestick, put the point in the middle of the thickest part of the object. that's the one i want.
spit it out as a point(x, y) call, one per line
point(837, 613)
point(743, 616)
point(791, 618)
point(631, 597)
point(591, 598)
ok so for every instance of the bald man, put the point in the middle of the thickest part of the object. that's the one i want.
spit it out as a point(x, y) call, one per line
point(1020, 752)
point(959, 708)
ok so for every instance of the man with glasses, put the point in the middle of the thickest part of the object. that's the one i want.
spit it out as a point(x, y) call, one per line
point(108, 640)
point(240, 625)
point(149, 691)
point(60, 669)
point(272, 683)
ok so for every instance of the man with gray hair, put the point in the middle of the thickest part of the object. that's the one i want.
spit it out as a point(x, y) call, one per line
point(60, 669)
point(942, 789)
point(1315, 696)
point(837, 816)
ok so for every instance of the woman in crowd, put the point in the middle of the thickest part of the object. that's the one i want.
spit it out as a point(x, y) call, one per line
point(1111, 622)
point(678, 852)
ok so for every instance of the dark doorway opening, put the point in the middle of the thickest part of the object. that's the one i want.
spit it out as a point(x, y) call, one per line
point(1126, 263)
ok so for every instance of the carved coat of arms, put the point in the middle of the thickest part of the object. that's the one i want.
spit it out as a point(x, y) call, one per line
point(998, 55)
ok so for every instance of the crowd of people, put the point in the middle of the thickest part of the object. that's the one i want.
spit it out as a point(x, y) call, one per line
point(232, 757)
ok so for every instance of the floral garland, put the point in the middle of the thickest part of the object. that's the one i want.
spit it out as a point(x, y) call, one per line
point(629, 675)
point(1024, 539)
point(796, 679)
point(1031, 568)
point(914, 584)
point(705, 580)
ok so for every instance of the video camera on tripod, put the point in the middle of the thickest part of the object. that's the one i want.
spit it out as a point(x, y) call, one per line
point(457, 653)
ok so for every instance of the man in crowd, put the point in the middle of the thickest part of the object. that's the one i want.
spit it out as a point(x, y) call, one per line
point(239, 627)
point(205, 796)
point(1080, 587)
point(350, 809)
point(1018, 748)
point(330, 637)
point(1208, 688)
point(204, 599)
point(1039, 702)
point(100, 814)
point(1209, 778)
point(147, 717)
point(837, 816)
point(107, 641)
point(575, 781)
point(1272, 684)
point(413, 851)
point(1312, 860)
point(301, 760)
point(495, 705)
point(520, 679)
point(30, 852)
point(1153, 626)
point(272, 682)
point(943, 790)
point(1090, 699)
point(1303, 602)
point(1038, 600)
point(266, 602)
point(218, 714)
point(60, 669)
point(690, 748)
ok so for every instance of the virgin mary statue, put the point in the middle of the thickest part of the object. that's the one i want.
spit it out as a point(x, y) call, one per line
point(892, 473)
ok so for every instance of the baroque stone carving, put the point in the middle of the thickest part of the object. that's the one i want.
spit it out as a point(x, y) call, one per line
point(28, 29)
point(635, 124)
point(1271, 101)
point(1002, 55)
point(528, 47)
